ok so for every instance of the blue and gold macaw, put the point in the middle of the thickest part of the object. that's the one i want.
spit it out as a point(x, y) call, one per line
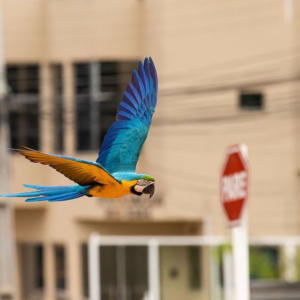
point(113, 175)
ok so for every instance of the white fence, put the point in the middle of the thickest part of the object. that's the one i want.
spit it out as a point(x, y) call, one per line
point(288, 243)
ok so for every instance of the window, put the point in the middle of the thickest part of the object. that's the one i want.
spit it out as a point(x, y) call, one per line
point(23, 82)
point(84, 270)
point(194, 259)
point(60, 271)
point(83, 107)
point(123, 272)
point(109, 274)
point(32, 266)
point(99, 88)
point(136, 262)
point(251, 101)
point(57, 85)
point(264, 263)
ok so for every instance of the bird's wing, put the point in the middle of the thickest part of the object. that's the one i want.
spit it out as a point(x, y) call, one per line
point(80, 171)
point(123, 142)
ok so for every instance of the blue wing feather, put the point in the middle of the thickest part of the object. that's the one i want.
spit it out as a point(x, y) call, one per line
point(122, 115)
point(154, 75)
point(134, 93)
point(138, 84)
point(127, 108)
point(143, 76)
point(127, 98)
point(124, 140)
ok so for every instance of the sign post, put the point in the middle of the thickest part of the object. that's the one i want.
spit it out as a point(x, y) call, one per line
point(234, 193)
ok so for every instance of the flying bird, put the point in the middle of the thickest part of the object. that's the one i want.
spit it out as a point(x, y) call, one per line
point(113, 175)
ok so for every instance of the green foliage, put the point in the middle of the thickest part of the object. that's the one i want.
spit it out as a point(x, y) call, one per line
point(264, 263)
point(298, 264)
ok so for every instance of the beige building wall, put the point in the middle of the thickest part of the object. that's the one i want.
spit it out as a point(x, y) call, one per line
point(205, 53)
point(211, 52)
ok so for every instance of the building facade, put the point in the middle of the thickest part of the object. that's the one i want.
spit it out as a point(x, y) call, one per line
point(228, 73)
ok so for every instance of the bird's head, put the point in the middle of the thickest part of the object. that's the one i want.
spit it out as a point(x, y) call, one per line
point(144, 185)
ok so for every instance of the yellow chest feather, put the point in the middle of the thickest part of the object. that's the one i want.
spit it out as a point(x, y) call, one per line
point(113, 191)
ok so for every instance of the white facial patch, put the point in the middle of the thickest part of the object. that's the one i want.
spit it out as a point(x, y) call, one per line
point(139, 188)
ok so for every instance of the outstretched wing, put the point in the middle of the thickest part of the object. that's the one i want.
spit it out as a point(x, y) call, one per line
point(123, 142)
point(80, 171)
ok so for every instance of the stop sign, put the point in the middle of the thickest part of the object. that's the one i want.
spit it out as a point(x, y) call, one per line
point(234, 184)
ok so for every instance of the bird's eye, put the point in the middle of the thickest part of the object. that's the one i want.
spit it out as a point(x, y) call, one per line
point(142, 182)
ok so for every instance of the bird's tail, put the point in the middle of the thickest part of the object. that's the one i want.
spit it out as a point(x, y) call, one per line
point(52, 193)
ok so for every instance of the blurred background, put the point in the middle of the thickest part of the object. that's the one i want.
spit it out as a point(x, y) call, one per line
point(228, 73)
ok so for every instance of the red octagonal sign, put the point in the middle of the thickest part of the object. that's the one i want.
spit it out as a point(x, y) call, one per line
point(234, 183)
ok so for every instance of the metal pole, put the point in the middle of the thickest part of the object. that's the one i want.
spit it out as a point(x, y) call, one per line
point(94, 267)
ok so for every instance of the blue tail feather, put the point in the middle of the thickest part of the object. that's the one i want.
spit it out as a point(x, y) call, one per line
point(52, 193)
point(55, 198)
point(42, 187)
point(67, 197)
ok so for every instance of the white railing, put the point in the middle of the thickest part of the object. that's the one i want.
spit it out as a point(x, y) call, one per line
point(289, 244)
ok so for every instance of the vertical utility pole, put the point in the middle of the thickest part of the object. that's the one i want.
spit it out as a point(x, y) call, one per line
point(7, 265)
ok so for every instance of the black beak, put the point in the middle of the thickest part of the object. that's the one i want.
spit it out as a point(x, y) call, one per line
point(150, 189)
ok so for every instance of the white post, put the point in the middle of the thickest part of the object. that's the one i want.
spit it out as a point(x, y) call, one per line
point(228, 275)
point(94, 267)
point(290, 262)
point(153, 270)
point(241, 259)
point(240, 245)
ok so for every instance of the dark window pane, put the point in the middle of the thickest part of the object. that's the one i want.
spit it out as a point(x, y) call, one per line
point(109, 77)
point(99, 88)
point(251, 101)
point(23, 103)
point(194, 258)
point(39, 254)
point(32, 268)
point(84, 268)
point(83, 106)
point(60, 267)
point(136, 272)
point(23, 79)
point(108, 272)
point(83, 117)
point(24, 123)
point(82, 76)
point(57, 83)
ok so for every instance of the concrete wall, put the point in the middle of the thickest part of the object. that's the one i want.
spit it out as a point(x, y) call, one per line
point(209, 52)
point(35, 30)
